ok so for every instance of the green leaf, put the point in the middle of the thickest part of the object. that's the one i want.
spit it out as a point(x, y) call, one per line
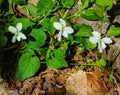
point(25, 22)
point(114, 31)
point(28, 65)
point(32, 9)
point(100, 12)
point(3, 40)
point(71, 39)
point(42, 51)
point(89, 45)
point(20, 1)
point(1, 1)
point(86, 3)
point(90, 15)
point(55, 59)
point(29, 50)
point(38, 38)
point(84, 42)
point(89, 1)
point(44, 6)
point(102, 62)
point(68, 3)
point(102, 6)
point(107, 4)
point(48, 25)
point(84, 31)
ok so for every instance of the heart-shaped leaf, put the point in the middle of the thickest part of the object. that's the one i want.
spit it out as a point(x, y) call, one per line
point(28, 65)
point(38, 38)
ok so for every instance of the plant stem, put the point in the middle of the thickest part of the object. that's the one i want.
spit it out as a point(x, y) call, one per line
point(101, 24)
point(76, 14)
point(64, 16)
point(51, 43)
point(93, 64)
point(60, 13)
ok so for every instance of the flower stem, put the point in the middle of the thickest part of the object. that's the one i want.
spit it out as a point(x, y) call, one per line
point(51, 43)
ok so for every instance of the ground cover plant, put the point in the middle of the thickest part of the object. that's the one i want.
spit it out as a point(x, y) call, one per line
point(45, 35)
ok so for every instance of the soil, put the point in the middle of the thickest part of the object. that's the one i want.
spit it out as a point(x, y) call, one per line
point(67, 81)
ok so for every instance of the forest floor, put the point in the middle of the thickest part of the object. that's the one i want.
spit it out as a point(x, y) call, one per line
point(68, 81)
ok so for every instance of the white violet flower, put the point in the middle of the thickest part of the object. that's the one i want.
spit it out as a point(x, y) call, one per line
point(18, 35)
point(63, 29)
point(96, 38)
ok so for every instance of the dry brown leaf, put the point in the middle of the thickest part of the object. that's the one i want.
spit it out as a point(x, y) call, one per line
point(95, 86)
point(20, 9)
point(85, 83)
point(76, 84)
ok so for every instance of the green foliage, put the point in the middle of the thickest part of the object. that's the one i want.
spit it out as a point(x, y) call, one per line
point(111, 76)
point(84, 42)
point(68, 3)
point(25, 22)
point(65, 47)
point(41, 43)
point(102, 6)
point(20, 1)
point(102, 62)
point(114, 31)
point(84, 31)
point(98, 12)
point(44, 6)
point(1, 1)
point(3, 40)
point(106, 4)
point(55, 59)
point(31, 9)
point(48, 25)
point(86, 3)
point(37, 38)
point(90, 15)
point(28, 65)
point(89, 45)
